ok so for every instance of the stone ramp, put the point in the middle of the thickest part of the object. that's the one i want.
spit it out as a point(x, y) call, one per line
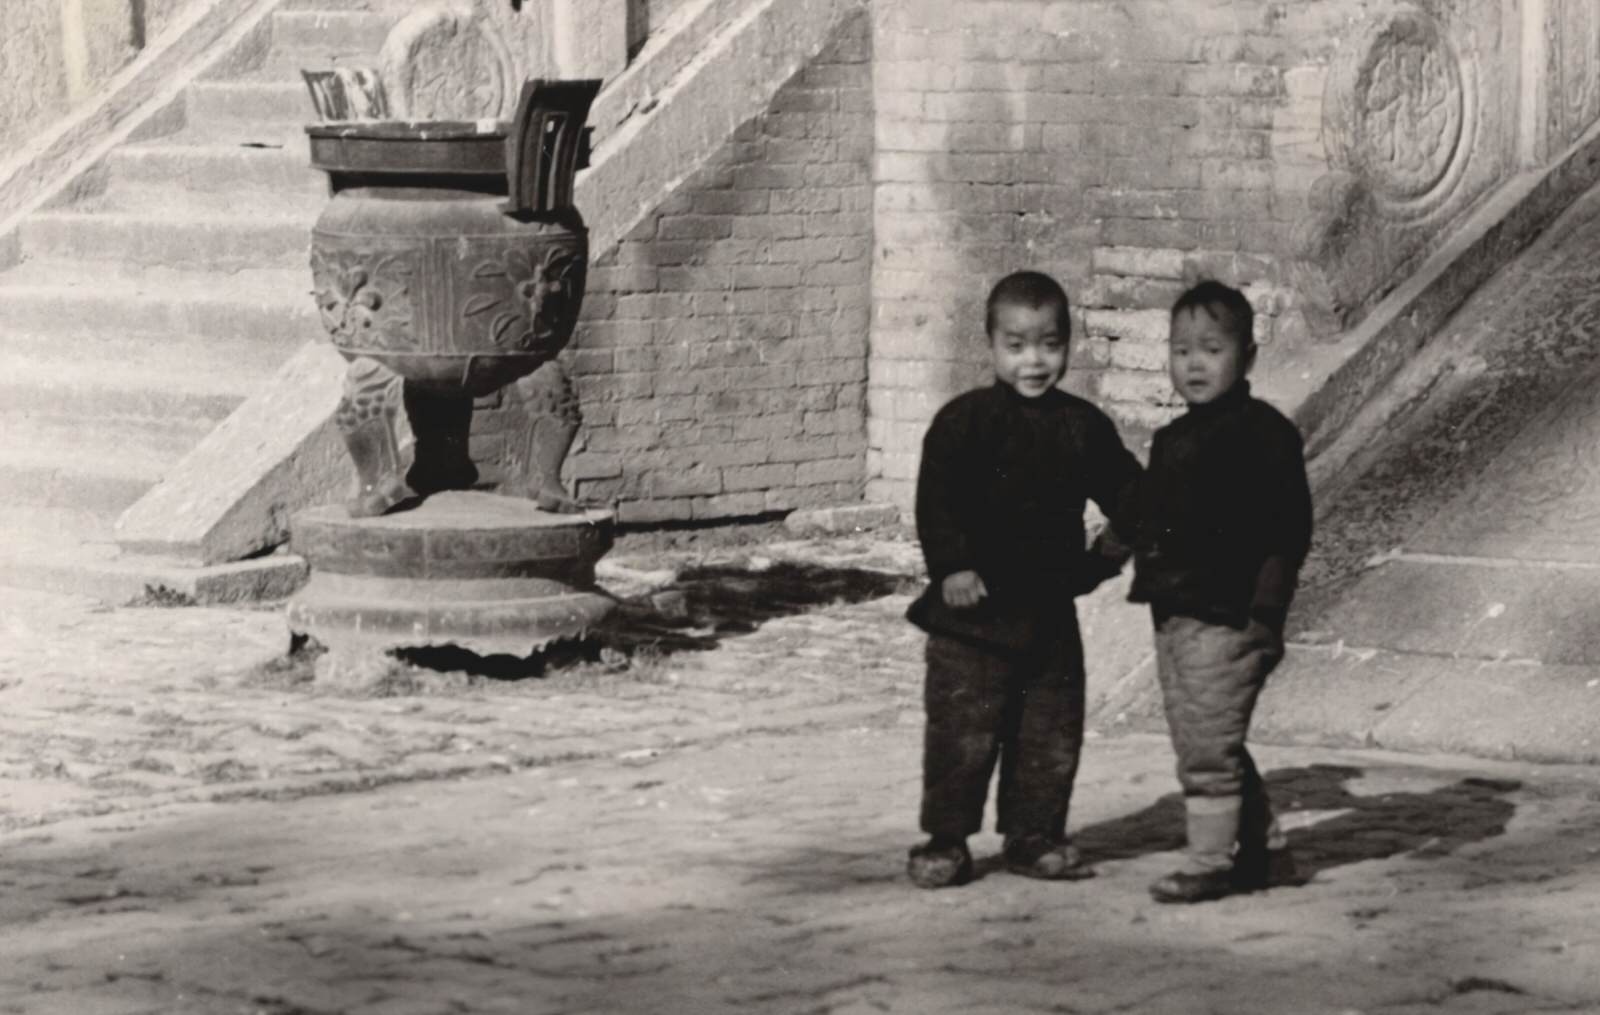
point(155, 295)
point(1453, 597)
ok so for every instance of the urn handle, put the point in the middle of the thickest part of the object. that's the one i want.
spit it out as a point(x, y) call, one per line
point(546, 141)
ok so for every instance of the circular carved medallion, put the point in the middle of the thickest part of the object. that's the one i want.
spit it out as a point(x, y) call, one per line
point(444, 63)
point(1399, 109)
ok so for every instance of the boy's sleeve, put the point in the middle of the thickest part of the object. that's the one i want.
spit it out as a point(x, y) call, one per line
point(1114, 486)
point(940, 500)
point(1289, 521)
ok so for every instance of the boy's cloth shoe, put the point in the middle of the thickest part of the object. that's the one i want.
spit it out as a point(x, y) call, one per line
point(1037, 856)
point(1261, 871)
point(939, 865)
point(1187, 886)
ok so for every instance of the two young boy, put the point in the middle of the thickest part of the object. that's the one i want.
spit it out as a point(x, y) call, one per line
point(1218, 528)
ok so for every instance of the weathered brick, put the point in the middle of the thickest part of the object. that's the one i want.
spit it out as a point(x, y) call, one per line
point(837, 174)
point(729, 505)
point(698, 479)
point(591, 361)
point(769, 427)
point(844, 224)
point(650, 359)
point(769, 227)
point(1132, 292)
point(622, 278)
point(828, 470)
point(807, 251)
point(733, 453)
point(696, 278)
point(757, 477)
point(731, 202)
point(855, 100)
point(1138, 78)
point(1141, 326)
point(1138, 356)
point(1180, 234)
point(1066, 76)
point(644, 512)
point(1136, 386)
point(838, 421)
point(675, 227)
point(807, 200)
point(1144, 261)
point(803, 100)
point(1233, 144)
point(1235, 79)
point(608, 490)
point(797, 450)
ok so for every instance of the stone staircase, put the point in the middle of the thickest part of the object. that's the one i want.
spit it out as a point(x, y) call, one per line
point(151, 303)
point(171, 288)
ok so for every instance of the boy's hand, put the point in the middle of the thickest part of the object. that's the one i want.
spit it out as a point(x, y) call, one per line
point(963, 589)
point(1262, 633)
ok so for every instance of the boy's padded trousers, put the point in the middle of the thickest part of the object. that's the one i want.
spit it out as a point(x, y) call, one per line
point(1210, 678)
point(1024, 710)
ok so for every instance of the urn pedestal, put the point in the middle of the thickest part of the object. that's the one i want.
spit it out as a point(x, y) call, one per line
point(448, 264)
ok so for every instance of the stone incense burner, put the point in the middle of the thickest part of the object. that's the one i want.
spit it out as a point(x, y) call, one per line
point(448, 264)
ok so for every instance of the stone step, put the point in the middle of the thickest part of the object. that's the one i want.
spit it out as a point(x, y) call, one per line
point(271, 307)
point(126, 197)
point(144, 446)
point(330, 31)
point(1472, 608)
point(1367, 696)
point(199, 166)
point(190, 381)
point(280, 100)
point(58, 524)
point(67, 562)
point(101, 479)
point(169, 237)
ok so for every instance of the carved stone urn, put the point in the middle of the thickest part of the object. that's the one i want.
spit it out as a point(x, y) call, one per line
point(449, 263)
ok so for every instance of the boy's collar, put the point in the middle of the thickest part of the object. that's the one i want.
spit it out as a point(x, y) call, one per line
point(1236, 395)
point(1017, 398)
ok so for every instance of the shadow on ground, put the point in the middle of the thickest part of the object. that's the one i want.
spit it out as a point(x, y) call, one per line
point(1423, 825)
point(701, 607)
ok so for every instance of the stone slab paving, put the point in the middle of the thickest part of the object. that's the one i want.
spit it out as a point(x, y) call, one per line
point(763, 873)
point(109, 709)
point(718, 827)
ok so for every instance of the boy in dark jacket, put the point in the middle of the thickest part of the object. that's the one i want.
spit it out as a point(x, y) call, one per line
point(1224, 526)
point(1000, 500)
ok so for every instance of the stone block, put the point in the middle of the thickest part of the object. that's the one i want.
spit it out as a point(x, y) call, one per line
point(844, 518)
point(233, 494)
point(589, 38)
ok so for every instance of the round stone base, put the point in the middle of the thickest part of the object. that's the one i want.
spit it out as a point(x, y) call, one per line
point(491, 574)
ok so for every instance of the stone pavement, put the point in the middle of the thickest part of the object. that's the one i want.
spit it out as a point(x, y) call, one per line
point(716, 824)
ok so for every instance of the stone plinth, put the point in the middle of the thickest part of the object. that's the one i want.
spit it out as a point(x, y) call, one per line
point(491, 574)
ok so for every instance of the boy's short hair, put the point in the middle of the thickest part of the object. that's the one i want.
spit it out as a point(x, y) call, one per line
point(1031, 289)
point(1223, 304)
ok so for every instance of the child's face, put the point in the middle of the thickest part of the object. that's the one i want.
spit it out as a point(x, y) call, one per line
point(1029, 348)
point(1205, 357)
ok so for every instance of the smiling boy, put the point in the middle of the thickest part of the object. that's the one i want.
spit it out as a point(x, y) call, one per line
point(1001, 492)
point(1224, 525)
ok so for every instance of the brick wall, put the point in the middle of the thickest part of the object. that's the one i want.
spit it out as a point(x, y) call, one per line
point(721, 358)
point(1123, 147)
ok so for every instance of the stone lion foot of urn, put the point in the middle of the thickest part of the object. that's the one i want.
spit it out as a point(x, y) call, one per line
point(450, 263)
